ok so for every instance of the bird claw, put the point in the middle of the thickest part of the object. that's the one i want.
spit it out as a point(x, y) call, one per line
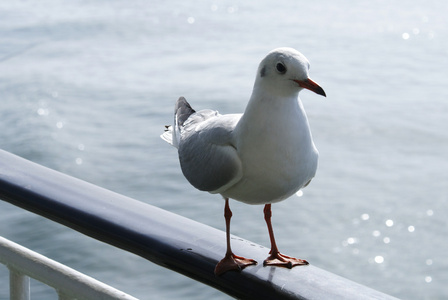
point(281, 260)
point(232, 262)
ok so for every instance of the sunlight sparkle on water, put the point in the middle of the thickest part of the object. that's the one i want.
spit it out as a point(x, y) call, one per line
point(389, 223)
point(350, 241)
point(411, 228)
point(379, 259)
point(42, 112)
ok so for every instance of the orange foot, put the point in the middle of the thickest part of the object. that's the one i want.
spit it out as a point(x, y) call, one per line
point(281, 260)
point(232, 262)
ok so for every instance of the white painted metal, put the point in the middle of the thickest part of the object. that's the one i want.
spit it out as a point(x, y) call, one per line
point(68, 283)
point(19, 285)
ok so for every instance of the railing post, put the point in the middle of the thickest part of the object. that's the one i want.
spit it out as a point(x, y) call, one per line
point(19, 285)
point(64, 296)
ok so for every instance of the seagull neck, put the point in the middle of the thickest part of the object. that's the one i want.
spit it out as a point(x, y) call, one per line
point(267, 110)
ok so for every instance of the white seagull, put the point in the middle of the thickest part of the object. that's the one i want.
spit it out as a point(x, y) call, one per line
point(260, 157)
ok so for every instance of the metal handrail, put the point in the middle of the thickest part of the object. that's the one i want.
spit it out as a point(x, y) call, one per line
point(68, 283)
point(167, 239)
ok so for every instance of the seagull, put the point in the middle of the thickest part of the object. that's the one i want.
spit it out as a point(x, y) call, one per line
point(262, 156)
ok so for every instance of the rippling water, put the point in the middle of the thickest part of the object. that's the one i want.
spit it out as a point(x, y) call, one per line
point(86, 88)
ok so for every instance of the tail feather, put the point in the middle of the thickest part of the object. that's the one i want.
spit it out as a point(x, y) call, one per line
point(167, 136)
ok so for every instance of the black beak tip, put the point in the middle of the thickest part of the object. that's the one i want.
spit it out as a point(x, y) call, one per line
point(321, 92)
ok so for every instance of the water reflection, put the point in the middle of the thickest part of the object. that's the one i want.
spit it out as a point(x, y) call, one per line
point(43, 111)
point(389, 223)
point(379, 259)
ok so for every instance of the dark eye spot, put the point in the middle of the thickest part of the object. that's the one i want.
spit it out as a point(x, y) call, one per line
point(281, 68)
point(263, 71)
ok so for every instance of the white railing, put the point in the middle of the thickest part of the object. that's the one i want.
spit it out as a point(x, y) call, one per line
point(68, 283)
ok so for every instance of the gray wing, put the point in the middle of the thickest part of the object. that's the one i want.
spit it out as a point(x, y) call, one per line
point(207, 155)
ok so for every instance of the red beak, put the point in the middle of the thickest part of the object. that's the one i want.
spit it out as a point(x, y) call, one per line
point(312, 86)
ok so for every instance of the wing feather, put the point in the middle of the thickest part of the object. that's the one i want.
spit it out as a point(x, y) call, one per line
point(207, 153)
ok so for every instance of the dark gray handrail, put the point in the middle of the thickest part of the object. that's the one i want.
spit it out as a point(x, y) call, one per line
point(169, 240)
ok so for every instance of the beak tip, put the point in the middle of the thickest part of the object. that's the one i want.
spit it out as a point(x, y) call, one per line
point(320, 91)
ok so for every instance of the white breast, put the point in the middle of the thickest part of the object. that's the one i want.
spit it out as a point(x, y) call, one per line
point(276, 149)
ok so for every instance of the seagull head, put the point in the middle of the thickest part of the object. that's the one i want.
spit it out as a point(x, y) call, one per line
point(285, 71)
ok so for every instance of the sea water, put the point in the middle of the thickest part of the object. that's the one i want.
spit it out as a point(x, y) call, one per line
point(86, 88)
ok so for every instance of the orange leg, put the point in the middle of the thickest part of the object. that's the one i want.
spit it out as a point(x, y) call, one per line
point(230, 260)
point(276, 258)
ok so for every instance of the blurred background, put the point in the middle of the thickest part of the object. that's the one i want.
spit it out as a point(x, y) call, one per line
point(86, 88)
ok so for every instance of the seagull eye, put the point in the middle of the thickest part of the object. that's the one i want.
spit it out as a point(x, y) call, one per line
point(281, 68)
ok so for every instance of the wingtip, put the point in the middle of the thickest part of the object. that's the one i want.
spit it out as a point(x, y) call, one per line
point(182, 111)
